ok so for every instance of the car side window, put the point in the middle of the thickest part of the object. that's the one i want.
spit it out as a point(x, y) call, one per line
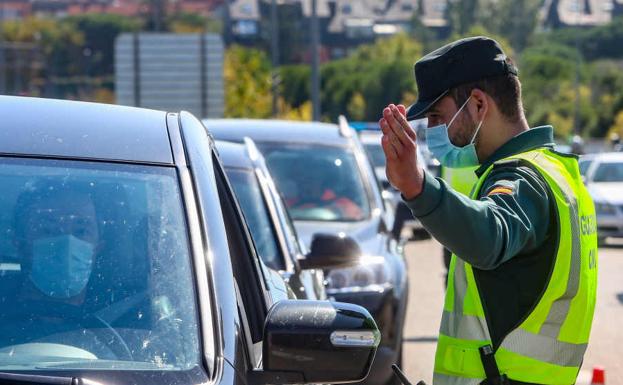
point(245, 263)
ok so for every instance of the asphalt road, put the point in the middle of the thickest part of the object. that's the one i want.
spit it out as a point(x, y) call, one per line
point(426, 298)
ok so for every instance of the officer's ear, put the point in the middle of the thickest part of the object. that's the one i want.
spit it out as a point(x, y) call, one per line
point(480, 105)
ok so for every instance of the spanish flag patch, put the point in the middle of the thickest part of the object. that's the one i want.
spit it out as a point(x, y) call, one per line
point(501, 190)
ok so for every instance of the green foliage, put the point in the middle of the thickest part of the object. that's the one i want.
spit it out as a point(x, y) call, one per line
point(515, 21)
point(479, 30)
point(295, 84)
point(247, 76)
point(381, 73)
point(594, 43)
point(462, 15)
point(361, 84)
point(100, 32)
point(548, 75)
point(184, 22)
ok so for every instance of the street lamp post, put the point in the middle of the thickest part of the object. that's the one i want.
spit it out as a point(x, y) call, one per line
point(274, 33)
point(2, 59)
point(315, 56)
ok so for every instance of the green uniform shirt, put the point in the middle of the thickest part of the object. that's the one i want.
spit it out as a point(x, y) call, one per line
point(503, 235)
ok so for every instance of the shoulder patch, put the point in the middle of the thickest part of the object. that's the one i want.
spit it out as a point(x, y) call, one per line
point(501, 190)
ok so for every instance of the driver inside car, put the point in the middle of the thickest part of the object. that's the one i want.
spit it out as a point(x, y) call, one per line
point(57, 239)
point(316, 191)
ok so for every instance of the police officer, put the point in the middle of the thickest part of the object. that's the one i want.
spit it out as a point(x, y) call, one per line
point(522, 285)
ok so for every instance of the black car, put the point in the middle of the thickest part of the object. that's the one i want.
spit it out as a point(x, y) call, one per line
point(124, 259)
point(270, 225)
point(329, 186)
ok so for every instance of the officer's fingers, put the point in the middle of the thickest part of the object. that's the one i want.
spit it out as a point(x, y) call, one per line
point(388, 149)
point(384, 126)
point(403, 111)
point(404, 124)
point(397, 126)
point(398, 146)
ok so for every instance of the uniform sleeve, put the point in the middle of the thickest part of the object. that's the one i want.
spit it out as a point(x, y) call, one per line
point(510, 218)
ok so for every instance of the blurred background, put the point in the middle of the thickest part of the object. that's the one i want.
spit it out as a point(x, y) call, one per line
point(311, 59)
point(314, 60)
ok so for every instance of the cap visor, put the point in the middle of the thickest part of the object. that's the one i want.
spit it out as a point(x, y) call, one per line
point(421, 107)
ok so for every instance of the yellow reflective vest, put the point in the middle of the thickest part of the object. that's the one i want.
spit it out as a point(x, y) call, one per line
point(549, 345)
point(460, 179)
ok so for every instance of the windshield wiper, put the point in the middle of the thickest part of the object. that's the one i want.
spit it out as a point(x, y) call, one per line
point(35, 379)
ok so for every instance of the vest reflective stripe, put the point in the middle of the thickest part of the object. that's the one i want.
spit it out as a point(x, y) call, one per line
point(453, 380)
point(462, 326)
point(549, 345)
point(544, 348)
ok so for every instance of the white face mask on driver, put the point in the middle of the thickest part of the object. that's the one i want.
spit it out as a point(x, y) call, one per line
point(445, 151)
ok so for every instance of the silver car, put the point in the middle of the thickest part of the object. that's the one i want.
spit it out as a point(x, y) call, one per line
point(603, 174)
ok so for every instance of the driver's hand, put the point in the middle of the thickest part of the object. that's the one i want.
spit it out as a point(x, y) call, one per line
point(400, 144)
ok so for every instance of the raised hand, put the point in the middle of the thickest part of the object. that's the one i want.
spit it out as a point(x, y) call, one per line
point(400, 146)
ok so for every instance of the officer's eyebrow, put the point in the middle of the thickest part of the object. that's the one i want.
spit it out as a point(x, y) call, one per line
point(432, 110)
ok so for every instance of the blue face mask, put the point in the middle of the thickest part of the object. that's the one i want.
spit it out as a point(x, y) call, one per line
point(447, 153)
point(61, 266)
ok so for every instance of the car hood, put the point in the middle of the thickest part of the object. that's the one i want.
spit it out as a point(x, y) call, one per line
point(365, 233)
point(606, 192)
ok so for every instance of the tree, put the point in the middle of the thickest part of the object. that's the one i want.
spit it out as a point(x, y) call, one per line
point(100, 32)
point(60, 50)
point(247, 76)
point(617, 126)
point(462, 15)
point(548, 74)
point(381, 72)
point(516, 21)
point(295, 84)
point(184, 22)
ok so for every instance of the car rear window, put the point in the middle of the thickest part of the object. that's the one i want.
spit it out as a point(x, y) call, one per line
point(609, 172)
point(94, 268)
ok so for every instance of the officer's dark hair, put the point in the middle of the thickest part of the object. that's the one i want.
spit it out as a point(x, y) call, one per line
point(505, 90)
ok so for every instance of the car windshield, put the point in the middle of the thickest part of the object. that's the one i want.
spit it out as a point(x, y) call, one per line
point(319, 183)
point(249, 194)
point(376, 154)
point(609, 172)
point(94, 268)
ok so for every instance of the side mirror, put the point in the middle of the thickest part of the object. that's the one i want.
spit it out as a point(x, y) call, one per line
point(317, 342)
point(329, 251)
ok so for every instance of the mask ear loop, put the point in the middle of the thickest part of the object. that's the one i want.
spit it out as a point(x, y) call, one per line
point(459, 111)
point(476, 133)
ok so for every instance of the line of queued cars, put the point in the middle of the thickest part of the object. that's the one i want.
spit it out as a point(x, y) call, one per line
point(329, 188)
point(130, 253)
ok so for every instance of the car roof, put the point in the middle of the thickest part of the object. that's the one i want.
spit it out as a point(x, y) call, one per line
point(234, 154)
point(605, 157)
point(70, 129)
point(370, 137)
point(275, 131)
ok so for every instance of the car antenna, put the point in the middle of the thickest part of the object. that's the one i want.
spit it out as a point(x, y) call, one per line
point(401, 376)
